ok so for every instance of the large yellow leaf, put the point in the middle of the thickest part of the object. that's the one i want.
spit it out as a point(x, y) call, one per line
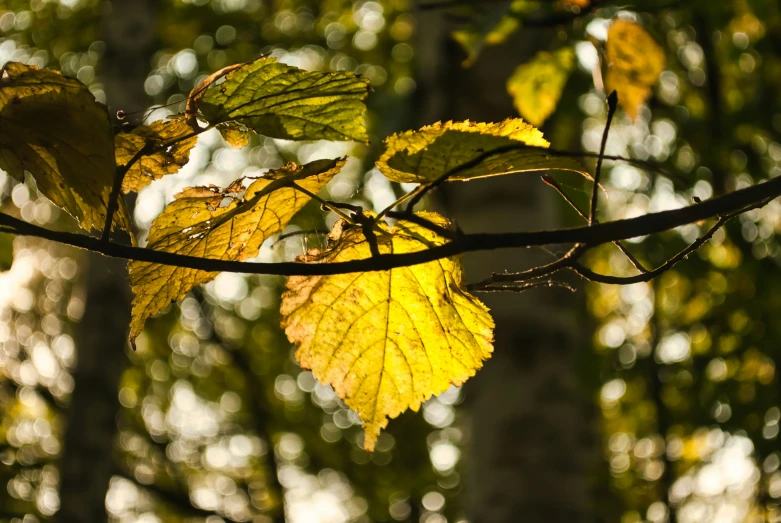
point(281, 101)
point(536, 86)
point(386, 341)
point(52, 127)
point(199, 223)
point(633, 63)
point(174, 134)
point(424, 155)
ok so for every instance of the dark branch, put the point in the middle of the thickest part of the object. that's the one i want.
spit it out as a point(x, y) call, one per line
point(588, 236)
point(553, 183)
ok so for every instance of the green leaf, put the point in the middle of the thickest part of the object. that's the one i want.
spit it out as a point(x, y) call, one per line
point(173, 134)
point(386, 340)
point(224, 224)
point(424, 155)
point(536, 86)
point(52, 127)
point(281, 101)
point(6, 251)
point(492, 28)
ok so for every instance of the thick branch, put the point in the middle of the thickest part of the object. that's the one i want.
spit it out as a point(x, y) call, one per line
point(588, 236)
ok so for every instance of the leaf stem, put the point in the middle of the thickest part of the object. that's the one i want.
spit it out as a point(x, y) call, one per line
point(550, 181)
point(612, 104)
point(325, 203)
point(119, 177)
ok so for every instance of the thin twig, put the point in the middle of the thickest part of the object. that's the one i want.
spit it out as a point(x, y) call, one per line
point(612, 104)
point(321, 232)
point(549, 180)
point(403, 198)
point(119, 177)
point(426, 224)
point(682, 255)
point(331, 206)
point(526, 286)
point(149, 148)
point(534, 273)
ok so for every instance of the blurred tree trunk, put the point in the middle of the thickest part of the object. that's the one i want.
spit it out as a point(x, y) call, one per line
point(533, 427)
point(87, 462)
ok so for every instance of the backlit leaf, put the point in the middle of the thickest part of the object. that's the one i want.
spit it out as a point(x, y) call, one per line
point(6, 251)
point(224, 224)
point(633, 63)
point(536, 86)
point(281, 101)
point(234, 134)
point(173, 131)
point(424, 155)
point(386, 341)
point(52, 127)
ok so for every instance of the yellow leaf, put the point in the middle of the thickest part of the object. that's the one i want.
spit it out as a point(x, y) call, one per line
point(210, 222)
point(633, 62)
point(173, 131)
point(52, 127)
point(536, 86)
point(234, 134)
point(388, 340)
point(424, 155)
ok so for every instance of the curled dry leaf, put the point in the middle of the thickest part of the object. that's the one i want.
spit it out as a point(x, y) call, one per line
point(191, 107)
point(386, 340)
point(425, 155)
point(210, 222)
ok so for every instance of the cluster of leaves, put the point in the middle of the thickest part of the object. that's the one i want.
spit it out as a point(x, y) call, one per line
point(386, 341)
point(630, 59)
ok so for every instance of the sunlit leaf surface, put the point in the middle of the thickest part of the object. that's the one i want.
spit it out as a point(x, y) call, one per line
point(281, 101)
point(225, 224)
point(173, 134)
point(386, 341)
point(634, 62)
point(536, 86)
point(235, 134)
point(424, 155)
point(52, 127)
